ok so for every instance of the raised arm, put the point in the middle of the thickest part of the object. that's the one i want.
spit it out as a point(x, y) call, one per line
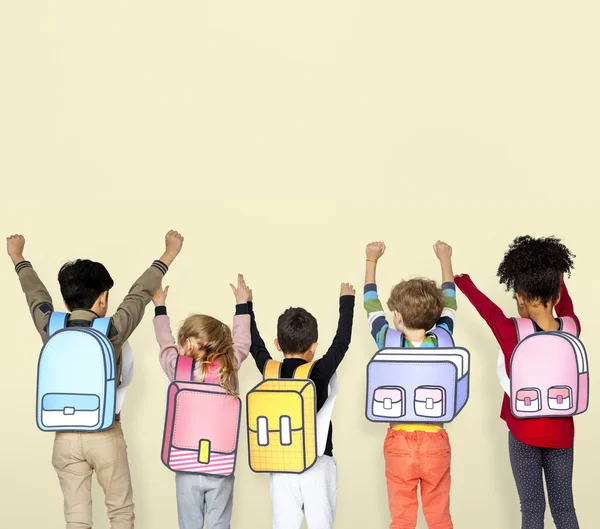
point(564, 307)
point(164, 336)
point(327, 365)
point(130, 312)
point(37, 295)
point(242, 339)
point(258, 349)
point(378, 324)
point(447, 319)
point(488, 310)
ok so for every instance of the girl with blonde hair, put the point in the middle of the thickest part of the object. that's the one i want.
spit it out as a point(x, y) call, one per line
point(218, 354)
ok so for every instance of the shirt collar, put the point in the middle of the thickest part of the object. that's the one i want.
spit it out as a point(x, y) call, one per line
point(84, 315)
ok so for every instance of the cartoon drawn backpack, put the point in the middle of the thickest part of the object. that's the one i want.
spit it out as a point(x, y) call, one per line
point(548, 372)
point(76, 387)
point(201, 424)
point(285, 434)
point(417, 384)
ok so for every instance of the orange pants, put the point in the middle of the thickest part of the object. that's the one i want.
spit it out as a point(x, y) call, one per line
point(412, 458)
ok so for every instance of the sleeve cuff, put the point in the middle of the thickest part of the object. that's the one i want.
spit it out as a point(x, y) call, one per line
point(449, 285)
point(161, 310)
point(22, 265)
point(250, 306)
point(161, 266)
point(370, 287)
point(242, 308)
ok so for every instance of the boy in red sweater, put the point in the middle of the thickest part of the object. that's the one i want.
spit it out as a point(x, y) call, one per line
point(533, 269)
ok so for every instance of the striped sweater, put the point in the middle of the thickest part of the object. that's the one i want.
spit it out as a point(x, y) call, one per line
point(379, 326)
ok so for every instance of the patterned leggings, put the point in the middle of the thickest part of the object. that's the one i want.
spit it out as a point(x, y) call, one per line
point(527, 463)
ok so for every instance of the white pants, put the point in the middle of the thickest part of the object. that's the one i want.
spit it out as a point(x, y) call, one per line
point(312, 494)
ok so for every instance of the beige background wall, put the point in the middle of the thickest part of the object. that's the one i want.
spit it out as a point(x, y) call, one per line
point(256, 128)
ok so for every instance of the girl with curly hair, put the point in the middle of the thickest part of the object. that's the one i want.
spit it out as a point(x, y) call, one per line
point(533, 269)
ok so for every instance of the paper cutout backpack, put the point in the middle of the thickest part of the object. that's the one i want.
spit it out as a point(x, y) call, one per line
point(76, 387)
point(417, 384)
point(201, 424)
point(285, 434)
point(548, 372)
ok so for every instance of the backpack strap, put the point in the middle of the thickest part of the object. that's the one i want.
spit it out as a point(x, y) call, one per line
point(393, 339)
point(272, 369)
point(525, 327)
point(569, 325)
point(57, 322)
point(324, 415)
point(102, 325)
point(303, 372)
point(443, 337)
point(184, 368)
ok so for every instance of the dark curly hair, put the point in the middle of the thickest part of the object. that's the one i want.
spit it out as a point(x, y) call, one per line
point(534, 267)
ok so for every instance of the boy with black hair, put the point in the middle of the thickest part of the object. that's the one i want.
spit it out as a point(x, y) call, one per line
point(84, 286)
point(312, 493)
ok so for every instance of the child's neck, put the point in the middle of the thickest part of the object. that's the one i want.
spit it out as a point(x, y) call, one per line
point(543, 316)
point(415, 335)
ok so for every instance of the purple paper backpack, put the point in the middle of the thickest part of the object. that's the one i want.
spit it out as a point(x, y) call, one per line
point(417, 384)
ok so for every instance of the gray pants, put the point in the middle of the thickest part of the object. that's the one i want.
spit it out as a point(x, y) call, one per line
point(528, 463)
point(195, 493)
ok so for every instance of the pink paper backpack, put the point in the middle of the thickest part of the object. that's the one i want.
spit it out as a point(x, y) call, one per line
point(201, 424)
point(548, 372)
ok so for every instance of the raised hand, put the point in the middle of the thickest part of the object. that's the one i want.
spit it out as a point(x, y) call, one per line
point(242, 293)
point(347, 290)
point(375, 250)
point(15, 245)
point(160, 296)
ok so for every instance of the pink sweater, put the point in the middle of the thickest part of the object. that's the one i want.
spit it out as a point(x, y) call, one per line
point(169, 350)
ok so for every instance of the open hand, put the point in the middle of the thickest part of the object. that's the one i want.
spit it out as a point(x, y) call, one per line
point(160, 296)
point(347, 290)
point(242, 292)
point(375, 250)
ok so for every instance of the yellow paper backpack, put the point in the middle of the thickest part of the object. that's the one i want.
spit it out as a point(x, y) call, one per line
point(282, 421)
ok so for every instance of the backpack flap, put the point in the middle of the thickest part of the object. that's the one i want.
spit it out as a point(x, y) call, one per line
point(205, 429)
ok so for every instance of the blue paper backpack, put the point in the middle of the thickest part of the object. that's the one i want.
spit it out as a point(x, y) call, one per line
point(76, 387)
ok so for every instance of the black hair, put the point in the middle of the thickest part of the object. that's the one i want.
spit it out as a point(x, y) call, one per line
point(534, 267)
point(296, 330)
point(81, 283)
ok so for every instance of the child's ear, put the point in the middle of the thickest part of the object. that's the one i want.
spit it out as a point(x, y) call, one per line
point(398, 316)
point(104, 299)
point(520, 299)
point(313, 348)
point(277, 346)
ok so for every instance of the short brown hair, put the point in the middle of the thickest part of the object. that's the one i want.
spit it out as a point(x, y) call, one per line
point(419, 301)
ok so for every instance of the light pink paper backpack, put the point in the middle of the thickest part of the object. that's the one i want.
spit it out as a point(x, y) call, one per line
point(548, 372)
point(201, 424)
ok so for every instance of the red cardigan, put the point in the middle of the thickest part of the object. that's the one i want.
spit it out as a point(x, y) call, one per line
point(543, 432)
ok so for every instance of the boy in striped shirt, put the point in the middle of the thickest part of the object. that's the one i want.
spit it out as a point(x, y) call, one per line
point(415, 453)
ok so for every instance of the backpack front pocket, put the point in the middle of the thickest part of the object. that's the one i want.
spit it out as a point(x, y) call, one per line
point(430, 401)
point(70, 410)
point(389, 401)
point(559, 398)
point(528, 400)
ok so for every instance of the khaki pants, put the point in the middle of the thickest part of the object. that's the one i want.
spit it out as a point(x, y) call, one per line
point(75, 457)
